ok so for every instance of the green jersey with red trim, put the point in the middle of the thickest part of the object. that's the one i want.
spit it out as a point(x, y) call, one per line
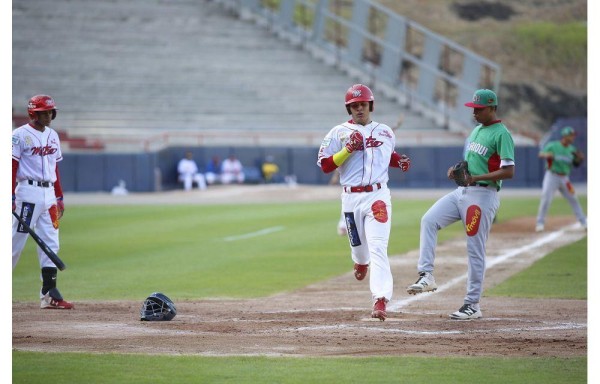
point(487, 147)
point(562, 157)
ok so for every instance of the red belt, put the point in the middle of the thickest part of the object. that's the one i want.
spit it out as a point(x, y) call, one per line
point(559, 174)
point(363, 188)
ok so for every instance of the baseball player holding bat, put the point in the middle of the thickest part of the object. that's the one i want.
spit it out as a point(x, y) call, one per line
point(36, 192)
point(363, 150)
point(489, 159)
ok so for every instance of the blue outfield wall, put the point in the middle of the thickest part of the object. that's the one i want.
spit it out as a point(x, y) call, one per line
point(101, 172)
point(149, 172)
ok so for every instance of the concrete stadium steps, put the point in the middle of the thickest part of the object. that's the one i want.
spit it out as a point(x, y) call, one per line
point(179, 64)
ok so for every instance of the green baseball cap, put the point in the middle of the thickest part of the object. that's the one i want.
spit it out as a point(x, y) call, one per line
point(566, 131)
point(483, 98)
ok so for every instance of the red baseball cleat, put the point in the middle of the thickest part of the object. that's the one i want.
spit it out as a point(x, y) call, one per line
point(360, 271)
point(49, 302)
point(379, 309)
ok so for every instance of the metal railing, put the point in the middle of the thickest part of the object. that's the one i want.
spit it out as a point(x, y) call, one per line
point(422, 70)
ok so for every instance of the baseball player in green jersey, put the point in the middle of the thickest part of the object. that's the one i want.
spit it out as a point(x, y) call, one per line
point(561, 156)
point(490, 157)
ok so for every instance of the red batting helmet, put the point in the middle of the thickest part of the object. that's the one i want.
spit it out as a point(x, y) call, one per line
point(359, 92)
point(41, 103)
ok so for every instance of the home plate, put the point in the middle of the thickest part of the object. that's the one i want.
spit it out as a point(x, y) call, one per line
point(388, 319)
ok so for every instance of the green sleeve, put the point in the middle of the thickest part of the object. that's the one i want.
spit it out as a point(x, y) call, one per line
point(506, 146)
point(548, 147)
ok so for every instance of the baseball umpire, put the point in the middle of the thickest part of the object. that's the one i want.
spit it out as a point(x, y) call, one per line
point(363, 150)
point(37, 195)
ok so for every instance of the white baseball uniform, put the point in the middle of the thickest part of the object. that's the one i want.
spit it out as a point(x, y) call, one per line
point(232, 170)
point(35, 197)
point(366, 199)
point(188, 174)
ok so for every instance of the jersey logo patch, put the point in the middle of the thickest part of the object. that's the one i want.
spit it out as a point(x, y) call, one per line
point(43, 151)
point(15, 140)
point(371, 142)
point(473, 220)
point(379, 211)
point(386, 134)
point(477, 148)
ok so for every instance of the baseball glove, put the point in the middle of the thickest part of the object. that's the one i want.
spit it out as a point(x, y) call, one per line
point(577, 158)
point(461, 174)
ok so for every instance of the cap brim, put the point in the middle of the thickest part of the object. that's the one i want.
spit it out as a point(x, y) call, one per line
point(473, 105)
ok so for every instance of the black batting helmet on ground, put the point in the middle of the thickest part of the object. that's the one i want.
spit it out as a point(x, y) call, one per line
point(158, 307)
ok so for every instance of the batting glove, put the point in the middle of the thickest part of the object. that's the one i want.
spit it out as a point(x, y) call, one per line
point(355, 143)
point(404, 163)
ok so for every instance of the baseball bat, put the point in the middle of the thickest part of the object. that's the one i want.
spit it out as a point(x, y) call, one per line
point(53, 256)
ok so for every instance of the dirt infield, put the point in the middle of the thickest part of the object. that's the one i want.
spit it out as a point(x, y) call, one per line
point(331, 318)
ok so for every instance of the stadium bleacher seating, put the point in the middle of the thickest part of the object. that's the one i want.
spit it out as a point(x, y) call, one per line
point(137, 68)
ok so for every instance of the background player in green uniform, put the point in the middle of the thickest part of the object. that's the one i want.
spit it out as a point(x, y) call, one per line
point(490, 154)
point(560, 155)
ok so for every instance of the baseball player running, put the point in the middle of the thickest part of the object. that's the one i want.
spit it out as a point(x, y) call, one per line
point(362, 150)
point(36, 192)
point(490, 157)
point(561, 156)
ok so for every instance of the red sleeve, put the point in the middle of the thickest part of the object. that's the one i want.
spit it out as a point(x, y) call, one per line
point(57, 187)
point(15, 167)
point(327, 164)
point(395, 160)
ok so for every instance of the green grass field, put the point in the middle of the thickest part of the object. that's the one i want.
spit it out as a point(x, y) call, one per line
point(205, 252)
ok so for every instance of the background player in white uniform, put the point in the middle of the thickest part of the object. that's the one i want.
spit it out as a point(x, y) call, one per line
point(232, 170)
point(490, 154)
point(188, 173)
point(363, 150)
point(560, 155)
point(37, 193)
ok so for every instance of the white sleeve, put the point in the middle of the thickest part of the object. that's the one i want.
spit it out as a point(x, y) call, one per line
point(59, 155)
point(330, 145)
point(17, 144)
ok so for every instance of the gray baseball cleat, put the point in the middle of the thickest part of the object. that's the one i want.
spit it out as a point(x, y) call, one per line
point(425, 283)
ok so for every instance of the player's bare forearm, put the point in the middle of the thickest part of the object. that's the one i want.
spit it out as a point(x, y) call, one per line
point(500, 174)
